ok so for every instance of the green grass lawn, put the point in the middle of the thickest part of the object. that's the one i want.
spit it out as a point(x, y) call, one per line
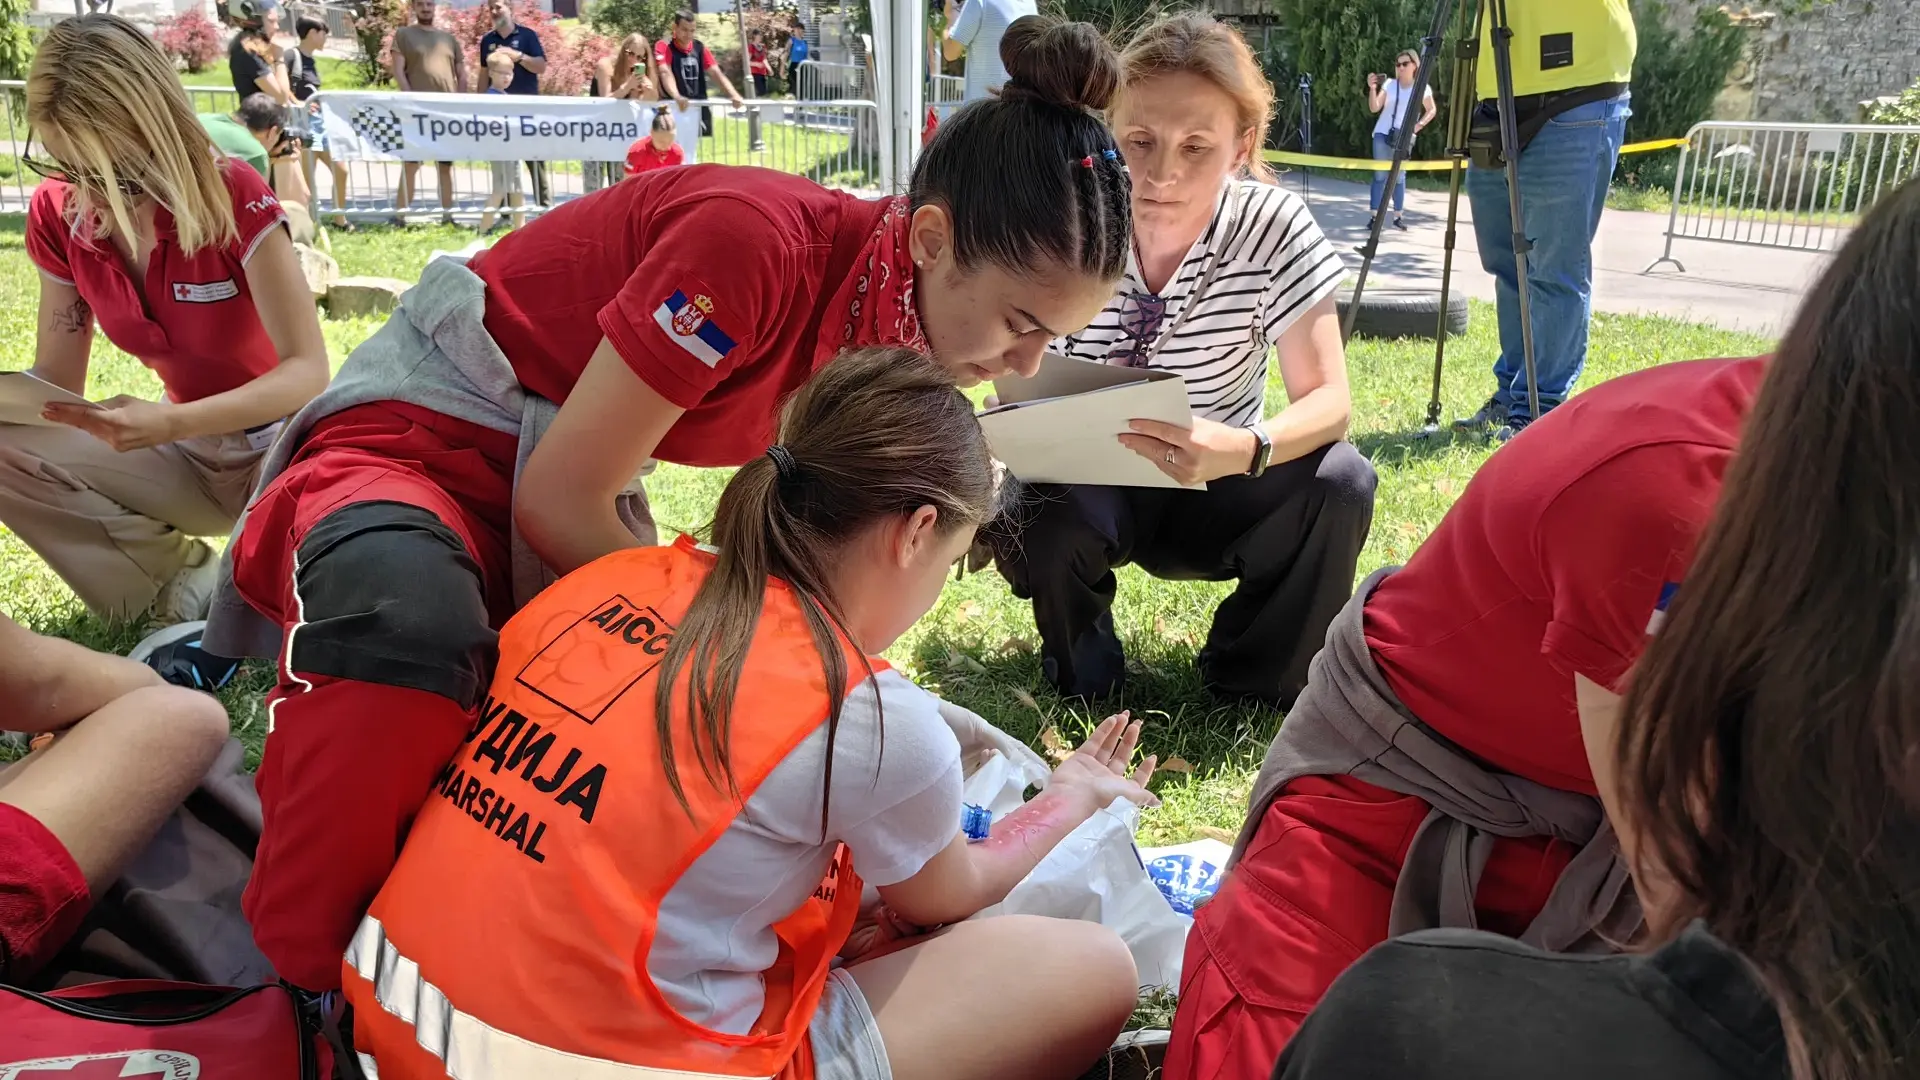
point(977, 645)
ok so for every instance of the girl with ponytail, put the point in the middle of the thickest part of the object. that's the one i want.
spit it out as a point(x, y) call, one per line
point(707, 749)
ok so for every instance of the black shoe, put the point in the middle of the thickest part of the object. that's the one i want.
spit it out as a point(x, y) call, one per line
point(176, 654)
point(1514, 426)
point(1400, 223)
point(1490, 415)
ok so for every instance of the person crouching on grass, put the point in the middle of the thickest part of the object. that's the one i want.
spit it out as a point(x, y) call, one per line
point(182, 257)
point(660, 149)
point(506, 174)
point(696, 926)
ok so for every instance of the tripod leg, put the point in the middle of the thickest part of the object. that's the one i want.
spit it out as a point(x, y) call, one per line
point(1459, 123)
point(1509, 143)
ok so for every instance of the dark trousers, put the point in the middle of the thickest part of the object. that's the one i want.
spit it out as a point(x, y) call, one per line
point(1290, 537)
point(537, 189)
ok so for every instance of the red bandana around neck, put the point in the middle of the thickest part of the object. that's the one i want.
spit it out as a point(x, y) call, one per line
point(875, 305)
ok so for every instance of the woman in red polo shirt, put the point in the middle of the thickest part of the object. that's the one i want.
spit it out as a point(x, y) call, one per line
point(182, 257)
point(407, 512)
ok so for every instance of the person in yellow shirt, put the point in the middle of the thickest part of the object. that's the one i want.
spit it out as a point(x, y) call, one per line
point(1572, 61)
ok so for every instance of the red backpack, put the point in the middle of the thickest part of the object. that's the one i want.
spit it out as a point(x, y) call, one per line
point(141, 1028)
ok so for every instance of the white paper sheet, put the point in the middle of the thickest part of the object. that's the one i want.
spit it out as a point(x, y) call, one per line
point(1059, 427)
point(23, 395)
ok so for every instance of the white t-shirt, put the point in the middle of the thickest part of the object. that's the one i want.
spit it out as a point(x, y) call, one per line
point(1274, 264)
point(1397, 96)
point(980, 26)
point(895, 804)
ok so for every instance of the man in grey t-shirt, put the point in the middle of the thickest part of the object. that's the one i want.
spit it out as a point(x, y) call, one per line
point(974, 31)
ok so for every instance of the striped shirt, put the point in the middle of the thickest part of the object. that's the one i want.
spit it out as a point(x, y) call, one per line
point(1274, 264)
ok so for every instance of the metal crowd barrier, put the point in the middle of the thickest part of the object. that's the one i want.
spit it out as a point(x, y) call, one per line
point(1794, 186)
point(821, 81)
point(834, 142)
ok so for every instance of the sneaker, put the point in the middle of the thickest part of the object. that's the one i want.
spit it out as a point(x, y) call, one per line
point(187, 597)
point(1514, 426)
point(1490, 415)
point(176, 654)
point(1135, 1055)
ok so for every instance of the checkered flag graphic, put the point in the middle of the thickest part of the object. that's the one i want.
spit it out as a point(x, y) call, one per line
point(379, 127)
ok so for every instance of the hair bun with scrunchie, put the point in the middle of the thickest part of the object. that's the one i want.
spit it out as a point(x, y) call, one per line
point(1067, 64)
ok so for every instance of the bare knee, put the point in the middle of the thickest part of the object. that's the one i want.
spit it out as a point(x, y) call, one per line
point(1086, 968)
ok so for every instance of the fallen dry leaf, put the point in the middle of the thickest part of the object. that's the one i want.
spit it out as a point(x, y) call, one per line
point(969, 610)
point(1214, 832)
point(960, 661)
point(1174, 764)
point(1016, 645)
point(1055, 746)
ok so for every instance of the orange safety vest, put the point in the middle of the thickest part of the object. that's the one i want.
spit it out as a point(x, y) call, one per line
point(512, 939)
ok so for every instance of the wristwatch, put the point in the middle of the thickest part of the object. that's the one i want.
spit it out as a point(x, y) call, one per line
point(1262, 451)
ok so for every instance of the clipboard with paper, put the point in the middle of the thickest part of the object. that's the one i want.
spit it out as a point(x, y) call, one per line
point(1060, 426)
point(23, 394)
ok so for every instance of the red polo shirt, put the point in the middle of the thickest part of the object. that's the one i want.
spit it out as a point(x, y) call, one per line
point(643, 156)
point(709, 280)
point(192, 319)
point(1556, 560)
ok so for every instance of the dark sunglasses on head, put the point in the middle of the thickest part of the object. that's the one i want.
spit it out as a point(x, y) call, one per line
point(50, 169)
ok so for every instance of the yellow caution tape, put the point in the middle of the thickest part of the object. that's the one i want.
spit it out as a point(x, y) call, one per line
point(1321, 161)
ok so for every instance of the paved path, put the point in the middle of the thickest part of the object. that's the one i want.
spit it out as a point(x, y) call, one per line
point(1733, 286)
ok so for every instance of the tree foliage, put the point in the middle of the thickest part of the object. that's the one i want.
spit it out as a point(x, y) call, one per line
point(1682, 65)
point(618, 18)
point(16, 40)
point(1339, 45)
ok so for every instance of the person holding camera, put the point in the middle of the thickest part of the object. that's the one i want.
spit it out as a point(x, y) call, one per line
point(1572, 60)
point(182, 260)
point(625, 75)
point(1390, 98)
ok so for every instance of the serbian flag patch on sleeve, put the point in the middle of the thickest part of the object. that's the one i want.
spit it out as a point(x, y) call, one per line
point(688, 320)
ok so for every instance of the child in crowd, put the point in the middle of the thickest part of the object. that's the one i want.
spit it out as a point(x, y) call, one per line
point(693, 925)
point(658, 150)
point(757, 64)
point(506, 174)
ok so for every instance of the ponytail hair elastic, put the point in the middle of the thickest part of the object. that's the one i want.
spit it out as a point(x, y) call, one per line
point(1108, 154)
point(783, 463)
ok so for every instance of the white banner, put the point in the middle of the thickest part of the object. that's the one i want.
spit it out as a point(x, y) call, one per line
point(361, 125)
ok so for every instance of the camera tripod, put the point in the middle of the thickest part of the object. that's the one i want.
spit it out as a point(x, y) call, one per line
point(1462, 100)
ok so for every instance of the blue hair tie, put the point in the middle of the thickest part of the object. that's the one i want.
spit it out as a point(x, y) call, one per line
point(1110, 155)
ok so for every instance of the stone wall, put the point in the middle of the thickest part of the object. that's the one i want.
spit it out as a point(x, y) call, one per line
point(1818, 66)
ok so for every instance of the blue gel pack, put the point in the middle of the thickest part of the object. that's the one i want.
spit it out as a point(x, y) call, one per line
point(976, 822)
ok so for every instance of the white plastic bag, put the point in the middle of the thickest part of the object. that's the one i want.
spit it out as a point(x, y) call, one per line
point(1187, 874)
point(998, 767)
point(1096, 874)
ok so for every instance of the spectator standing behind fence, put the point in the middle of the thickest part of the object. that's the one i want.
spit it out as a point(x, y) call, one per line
point(757, 62)
point(684, 62)
point(658, 150)
point(303, 76)
point(250, 54)
point(426, 60)
point(974, 31)
point(506, 174)
point(1571, 63)
point(627, 75)
point(1389, 98)
point(796, 54)
point(521, 45)
point(180, 257)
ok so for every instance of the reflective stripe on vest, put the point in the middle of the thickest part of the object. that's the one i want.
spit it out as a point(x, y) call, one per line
point(471, 1048)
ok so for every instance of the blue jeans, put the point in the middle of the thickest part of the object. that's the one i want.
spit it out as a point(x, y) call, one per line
point(1383, 151)
point(1564, 175)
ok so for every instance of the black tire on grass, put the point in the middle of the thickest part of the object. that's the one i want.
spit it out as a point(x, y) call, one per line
point(1403, 313)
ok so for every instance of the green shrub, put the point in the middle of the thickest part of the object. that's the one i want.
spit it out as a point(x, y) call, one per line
point(16, 41)
point(1679, 70)
point(1339, 45)
point(618, 18)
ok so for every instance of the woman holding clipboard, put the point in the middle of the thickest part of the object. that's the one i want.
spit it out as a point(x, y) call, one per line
point(182, 257)
point(1224, 267)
